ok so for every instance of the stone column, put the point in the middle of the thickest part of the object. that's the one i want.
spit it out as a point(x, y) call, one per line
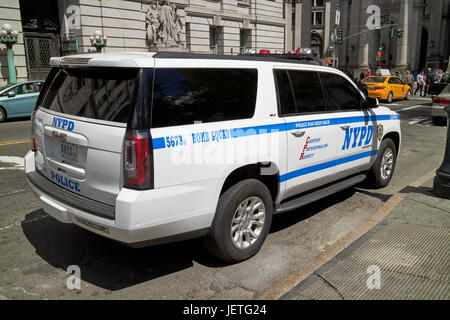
point(434, 32)
point(363, 40)
point(353, 28)
point(406, 13)
point(305, 28)
point(329, 23)
point(288, 28)
point(298, 25)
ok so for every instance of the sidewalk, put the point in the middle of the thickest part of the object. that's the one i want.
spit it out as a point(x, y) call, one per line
point(410, 248)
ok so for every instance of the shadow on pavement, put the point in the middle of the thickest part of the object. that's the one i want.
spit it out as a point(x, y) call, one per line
point(285, 220)
point(16, 119)
point(105, 263)
point(113, 266)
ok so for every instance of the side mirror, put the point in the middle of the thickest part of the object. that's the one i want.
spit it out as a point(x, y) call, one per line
point(11, 94)
point(371, 103)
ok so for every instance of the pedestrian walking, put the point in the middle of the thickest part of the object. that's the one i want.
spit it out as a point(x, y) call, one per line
point(410, 79)
point(420, 83)
point(429, 79)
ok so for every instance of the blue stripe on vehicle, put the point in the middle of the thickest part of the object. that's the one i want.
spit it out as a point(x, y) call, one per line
point(326, 165)
point(158, 143)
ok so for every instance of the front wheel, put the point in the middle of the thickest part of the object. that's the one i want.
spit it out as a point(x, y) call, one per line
point(242, 221)
point(382, 170)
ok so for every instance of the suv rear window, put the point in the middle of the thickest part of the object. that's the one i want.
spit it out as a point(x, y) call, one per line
point(103, 94)
point(187, 96)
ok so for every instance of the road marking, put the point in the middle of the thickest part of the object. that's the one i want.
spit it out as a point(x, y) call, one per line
point(410, 108)
point(426, 122)
point(17, 162)
point(286, 284)
point(5, 143)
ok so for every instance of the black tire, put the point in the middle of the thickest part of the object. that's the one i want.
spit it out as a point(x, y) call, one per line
point(439, 121)
point(219, 240)
point(375, 177)
point(2, 114)
point(390, 97)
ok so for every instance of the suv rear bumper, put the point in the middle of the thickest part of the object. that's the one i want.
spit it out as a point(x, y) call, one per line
point(127, 225)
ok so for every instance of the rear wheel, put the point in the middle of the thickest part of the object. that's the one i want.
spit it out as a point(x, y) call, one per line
point(242, 221)
point(2, 114)
point(389, 97)
point(382, 170)
point(408, 95)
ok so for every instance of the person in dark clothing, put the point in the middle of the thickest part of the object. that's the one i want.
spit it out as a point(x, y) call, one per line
point(428, 80)
point(361, 75)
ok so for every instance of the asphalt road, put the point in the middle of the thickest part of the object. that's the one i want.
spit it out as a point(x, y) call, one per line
point(36, 250)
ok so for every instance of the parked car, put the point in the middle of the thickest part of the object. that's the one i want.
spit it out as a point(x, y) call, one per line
point(436, 88)
point(149, 148)
point(439, 102)
point(19, 100)
point(387, 88)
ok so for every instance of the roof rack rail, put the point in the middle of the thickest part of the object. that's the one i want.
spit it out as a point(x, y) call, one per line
point(276, 57)
point(304, 57)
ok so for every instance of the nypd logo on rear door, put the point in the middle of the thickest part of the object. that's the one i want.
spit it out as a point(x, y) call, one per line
point(63, 123)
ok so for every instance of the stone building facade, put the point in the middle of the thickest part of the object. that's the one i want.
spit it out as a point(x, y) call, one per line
point(425, 23)
point(52, 28)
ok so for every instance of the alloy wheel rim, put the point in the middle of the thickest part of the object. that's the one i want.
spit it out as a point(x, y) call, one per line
point(248, 222)
point(387, 162)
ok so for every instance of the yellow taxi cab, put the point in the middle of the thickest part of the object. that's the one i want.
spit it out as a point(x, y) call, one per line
point(387, 88)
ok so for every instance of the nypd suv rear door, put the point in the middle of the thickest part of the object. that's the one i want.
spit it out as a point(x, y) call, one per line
point(79, 129)
point(311, 137)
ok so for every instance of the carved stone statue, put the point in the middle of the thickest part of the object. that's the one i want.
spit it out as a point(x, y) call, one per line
point(164, 25)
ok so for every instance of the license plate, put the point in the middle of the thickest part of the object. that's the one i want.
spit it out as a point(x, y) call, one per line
point(69, 151)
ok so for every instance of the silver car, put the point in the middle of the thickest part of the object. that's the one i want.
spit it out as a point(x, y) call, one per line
point(439, 102)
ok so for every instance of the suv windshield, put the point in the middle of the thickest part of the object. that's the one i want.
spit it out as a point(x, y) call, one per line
point(103, 94)
point(374, 79)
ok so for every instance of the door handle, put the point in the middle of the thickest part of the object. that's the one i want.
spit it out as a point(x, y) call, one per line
point(345, 128)
point(298, 133)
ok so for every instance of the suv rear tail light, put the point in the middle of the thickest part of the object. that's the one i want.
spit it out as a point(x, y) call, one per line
point(441, 101)
point(33, 141)
point(136, 160)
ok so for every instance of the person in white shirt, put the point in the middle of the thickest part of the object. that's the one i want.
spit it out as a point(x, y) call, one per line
point(420, 84)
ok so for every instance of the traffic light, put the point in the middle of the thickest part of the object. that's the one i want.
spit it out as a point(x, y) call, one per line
point(339, 36)
point(392, 33)
point(400, 33)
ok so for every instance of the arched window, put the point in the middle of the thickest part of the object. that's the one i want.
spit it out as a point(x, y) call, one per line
point(316, 45)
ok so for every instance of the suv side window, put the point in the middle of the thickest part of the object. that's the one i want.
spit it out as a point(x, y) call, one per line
point(285, 94)
point(185, 96)
point(341, 94)
point(308, 93)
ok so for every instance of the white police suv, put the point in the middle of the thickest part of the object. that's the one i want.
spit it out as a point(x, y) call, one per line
point(148, 148)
